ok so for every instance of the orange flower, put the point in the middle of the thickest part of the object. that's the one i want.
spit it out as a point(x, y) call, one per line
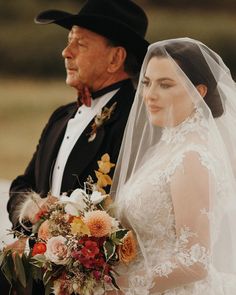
point(98, 222)
point(104, 164)
point(107, 202)
point(128, 250)
point(39, 248)
point(103, 179)
point(44, 232)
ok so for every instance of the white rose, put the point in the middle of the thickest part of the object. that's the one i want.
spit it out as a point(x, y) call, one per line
point(57, 250)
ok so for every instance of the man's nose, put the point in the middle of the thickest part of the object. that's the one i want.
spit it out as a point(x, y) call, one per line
point(67, 52)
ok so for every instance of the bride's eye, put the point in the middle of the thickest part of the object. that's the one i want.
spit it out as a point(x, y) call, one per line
point(165, 85)
point(145, 82)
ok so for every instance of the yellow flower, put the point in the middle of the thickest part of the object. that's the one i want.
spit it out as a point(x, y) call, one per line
point(98, 222)
point(79, 227)
point(104, 164)
point(103, 179)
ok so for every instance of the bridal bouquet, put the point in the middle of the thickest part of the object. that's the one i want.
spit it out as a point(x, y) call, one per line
point(78, 241)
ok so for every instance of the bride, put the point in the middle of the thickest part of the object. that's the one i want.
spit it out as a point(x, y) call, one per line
point(174, 183)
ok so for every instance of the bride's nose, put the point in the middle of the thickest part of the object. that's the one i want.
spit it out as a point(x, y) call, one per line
point(152, 94)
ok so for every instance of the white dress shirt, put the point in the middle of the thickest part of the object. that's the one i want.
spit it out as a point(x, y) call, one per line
point(75, 128)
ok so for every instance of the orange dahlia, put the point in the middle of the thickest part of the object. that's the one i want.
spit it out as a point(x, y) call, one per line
point(128, 250)
point(98, 222)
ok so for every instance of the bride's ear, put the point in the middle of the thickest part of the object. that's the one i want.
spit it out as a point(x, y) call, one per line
point(202, 89)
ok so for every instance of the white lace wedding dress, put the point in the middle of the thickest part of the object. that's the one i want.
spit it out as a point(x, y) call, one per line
point(174, 252)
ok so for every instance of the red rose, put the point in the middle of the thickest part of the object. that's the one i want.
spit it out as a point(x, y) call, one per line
point(90, 249)
point(39, 248)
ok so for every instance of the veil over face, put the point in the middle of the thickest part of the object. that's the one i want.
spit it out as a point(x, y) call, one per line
point(175, 179)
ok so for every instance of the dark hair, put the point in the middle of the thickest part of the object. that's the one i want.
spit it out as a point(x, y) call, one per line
point(193, 64)
point(131, 65)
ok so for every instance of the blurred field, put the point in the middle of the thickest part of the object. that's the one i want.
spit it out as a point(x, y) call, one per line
point(35, 51)
point(25, 106)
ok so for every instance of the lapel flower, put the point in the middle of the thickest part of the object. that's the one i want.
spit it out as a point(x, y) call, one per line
point(100, 119)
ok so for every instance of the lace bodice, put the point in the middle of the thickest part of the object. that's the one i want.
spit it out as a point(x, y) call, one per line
point(166, 243)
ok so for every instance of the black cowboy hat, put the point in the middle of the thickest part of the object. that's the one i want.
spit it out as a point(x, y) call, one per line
point(121, 21)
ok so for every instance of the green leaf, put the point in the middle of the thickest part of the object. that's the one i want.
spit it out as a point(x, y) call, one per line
point(20, 270)
point(46, 277)
point(8, 268)
point(121, 233)
point(114, 282)
point(48, 288)
point(36, 226)
point(38, 260)
point(2, 257)
point(115, 240)
point(109, 249)
point(37, 273)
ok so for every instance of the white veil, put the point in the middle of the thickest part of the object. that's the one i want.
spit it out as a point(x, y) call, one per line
point(193, 163)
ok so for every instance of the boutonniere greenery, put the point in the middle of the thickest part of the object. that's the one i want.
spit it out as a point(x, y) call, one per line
point(100, 119)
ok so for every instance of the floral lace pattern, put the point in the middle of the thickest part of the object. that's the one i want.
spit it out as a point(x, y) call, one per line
point(148, 208)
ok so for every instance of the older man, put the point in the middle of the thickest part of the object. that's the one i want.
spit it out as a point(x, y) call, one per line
point(105, 49)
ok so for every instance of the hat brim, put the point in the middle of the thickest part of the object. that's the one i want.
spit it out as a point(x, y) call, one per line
point(105, 26)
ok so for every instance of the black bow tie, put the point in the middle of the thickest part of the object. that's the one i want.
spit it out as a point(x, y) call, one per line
point(86, 97)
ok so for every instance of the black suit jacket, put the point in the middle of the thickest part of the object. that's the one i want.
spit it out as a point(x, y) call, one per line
point(83, 158)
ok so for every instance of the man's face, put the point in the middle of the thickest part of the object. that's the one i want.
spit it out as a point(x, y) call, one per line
point(87, 57)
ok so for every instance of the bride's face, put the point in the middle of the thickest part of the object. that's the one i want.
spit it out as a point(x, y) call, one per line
point(165, 94)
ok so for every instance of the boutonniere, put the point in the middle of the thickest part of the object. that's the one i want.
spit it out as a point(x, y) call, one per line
point(100, 119)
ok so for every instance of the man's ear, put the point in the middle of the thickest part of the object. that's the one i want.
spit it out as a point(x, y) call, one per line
point(118, 56)
point(202, 89)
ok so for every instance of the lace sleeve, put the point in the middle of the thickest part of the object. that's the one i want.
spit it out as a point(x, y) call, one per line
point(190, 191)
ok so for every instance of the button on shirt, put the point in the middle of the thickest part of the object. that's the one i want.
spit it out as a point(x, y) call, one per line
point(75, 128)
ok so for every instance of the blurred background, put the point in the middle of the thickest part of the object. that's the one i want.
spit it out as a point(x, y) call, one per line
point(32, 70)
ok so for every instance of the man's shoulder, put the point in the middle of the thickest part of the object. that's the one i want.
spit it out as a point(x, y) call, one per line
point(64, 109)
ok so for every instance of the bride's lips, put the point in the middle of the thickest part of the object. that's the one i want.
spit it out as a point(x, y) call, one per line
point(153, 109)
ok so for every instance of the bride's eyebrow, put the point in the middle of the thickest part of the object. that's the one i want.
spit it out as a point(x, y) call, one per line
point(160, 79)
point(165, 79)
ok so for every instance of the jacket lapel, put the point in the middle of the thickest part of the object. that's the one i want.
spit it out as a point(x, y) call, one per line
point(51, 146)
point(85, 152)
